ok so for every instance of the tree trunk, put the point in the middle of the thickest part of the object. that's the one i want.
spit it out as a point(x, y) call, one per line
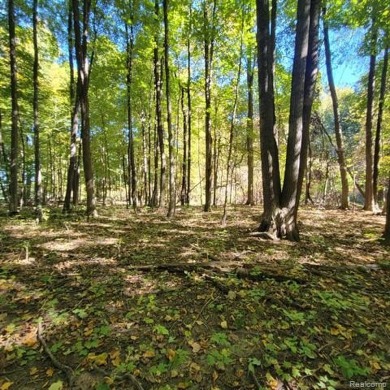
point(280, 207)
point(268, 141)
point(209, 37)
point(5, 161)
point(309, 91)
point(386, 234)
point(14, 156)
point(369, 199)
point(184, 186)
point(232, 125)
point(129, 81)
point(74, 120)
point(336, 115)
point(189, 109)
point(37, 155)
point(249, 130)
point(382, 96)
point(171, 146)
point(158, 90)
point(81, 41)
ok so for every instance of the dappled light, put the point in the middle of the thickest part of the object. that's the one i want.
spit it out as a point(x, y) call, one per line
point(186, 301)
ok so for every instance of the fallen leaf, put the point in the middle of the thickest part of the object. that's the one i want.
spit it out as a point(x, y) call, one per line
point(99, 360)
point(224, 324)
point(171, 353)
point(6, 385)
point(196, 347)
point(50, 372)
point(149, 354)
point(56, 386)
point(33, 370)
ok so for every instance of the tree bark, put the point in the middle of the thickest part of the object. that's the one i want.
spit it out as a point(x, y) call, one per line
point(129, 81)
point(72, 176)
point(171, 146)
point(14, 156)
point(268, 141)
point(5, 161)
point(386, 234)
point(382, 96)
point(249, 130)
point(184, 186)
point(309, 92)
point(37, 154)
point(158, 89)
point(369, 199)
point(209, 37)
point(336, 116)
point(189, 108)
point(81, 42)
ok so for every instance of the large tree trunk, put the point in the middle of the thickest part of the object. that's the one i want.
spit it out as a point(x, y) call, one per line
point(289, 200)
point(382, 96)
point(14, 156)
point(129, 81)
point(81, 41)
point(268, 140)
point(209, 37)
point(37, 154)
point(336, 115)
point(171, 146)
point(280, 207)
point(369, 196)
point(249, 130)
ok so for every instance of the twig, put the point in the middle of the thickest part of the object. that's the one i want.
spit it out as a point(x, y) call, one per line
point(252, 374)
point(64, 368)
point(127, 375)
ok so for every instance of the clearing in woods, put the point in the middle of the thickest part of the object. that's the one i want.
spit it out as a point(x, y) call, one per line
point(142, 302)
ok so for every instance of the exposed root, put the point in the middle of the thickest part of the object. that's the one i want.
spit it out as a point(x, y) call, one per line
point(265, 235)
point(68, 371)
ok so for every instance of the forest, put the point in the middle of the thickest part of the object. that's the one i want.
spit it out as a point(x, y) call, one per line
point(194, 194)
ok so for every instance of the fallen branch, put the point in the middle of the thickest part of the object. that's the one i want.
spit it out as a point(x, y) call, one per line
point(64, 368)
point(220, 268)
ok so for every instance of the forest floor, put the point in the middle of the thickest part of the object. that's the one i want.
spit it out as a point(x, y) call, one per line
point(131, 301)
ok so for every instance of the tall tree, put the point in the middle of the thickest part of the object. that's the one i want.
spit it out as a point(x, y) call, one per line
point(73, 173)
point(158, 94)
point(14, 156)
point(209, 41)
point(38, 172)
point(250, 129)
point(171, 146)
point(81, 31)
point(129, 81)
point(189, 107)
point(386, 234)
point(369, 194)
point(336, 116)
point(280, 206)
point(268, 140)
point(377, 144)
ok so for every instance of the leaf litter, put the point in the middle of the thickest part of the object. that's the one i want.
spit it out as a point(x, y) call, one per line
point(139, 301)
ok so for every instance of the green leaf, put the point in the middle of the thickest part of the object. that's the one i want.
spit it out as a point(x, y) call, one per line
point(59, 385)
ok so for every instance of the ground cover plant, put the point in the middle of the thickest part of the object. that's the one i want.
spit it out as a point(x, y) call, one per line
point(139, 301)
